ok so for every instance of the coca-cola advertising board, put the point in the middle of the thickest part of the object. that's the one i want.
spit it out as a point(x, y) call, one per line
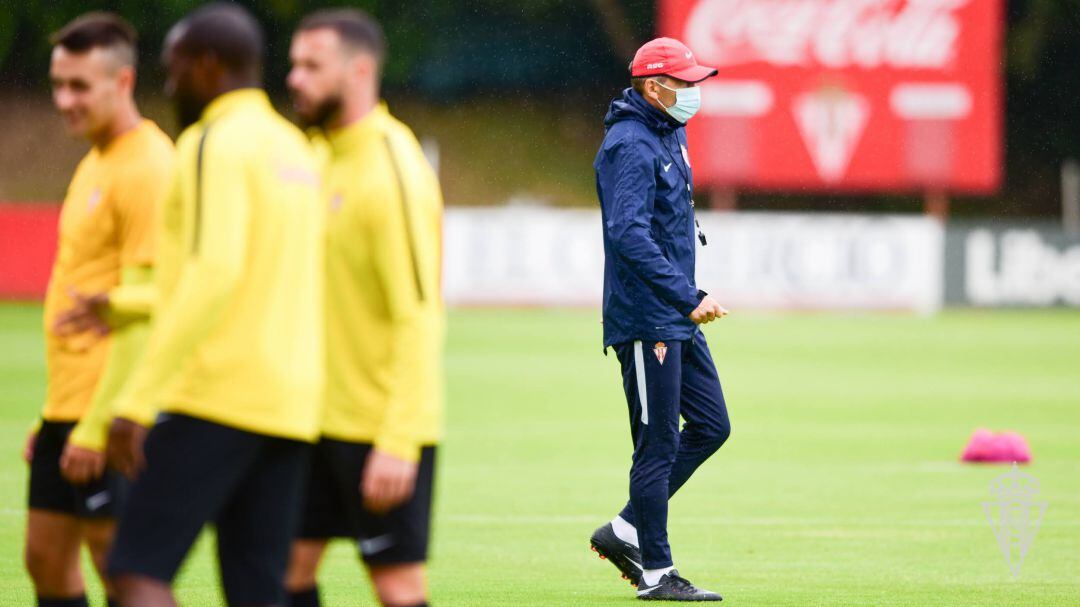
point(845, 95)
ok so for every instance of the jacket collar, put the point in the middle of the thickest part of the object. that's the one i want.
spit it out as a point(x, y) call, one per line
point(350, 137)
point(632, 106)
point(223, 104)
point(126, 138)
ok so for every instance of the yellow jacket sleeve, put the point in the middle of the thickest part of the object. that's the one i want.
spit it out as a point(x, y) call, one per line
point(208, 278)
point(399, 272)
point(134, 298)
point(128, 344)
point(137, 208)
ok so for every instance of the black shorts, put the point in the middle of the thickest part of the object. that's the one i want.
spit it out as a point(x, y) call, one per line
point(102, 498)
point(334, 507)
point(199, 472)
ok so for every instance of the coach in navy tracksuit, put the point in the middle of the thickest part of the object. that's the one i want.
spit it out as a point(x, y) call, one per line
point(652, 309)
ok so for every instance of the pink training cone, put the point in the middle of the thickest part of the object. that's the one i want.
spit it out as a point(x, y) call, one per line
point(1017, 445)
point(988, 447)
point(979, 447)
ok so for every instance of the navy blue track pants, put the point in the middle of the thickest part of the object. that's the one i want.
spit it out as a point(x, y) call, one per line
point(664, 380)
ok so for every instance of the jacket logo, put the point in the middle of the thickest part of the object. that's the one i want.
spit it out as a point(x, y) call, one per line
point(288, 173)
point(667, 167)
point(660, 350)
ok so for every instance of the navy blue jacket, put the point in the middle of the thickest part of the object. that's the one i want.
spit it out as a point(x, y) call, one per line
point(645, 186)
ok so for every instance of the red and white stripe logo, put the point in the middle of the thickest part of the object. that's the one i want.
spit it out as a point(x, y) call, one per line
point(660, 350)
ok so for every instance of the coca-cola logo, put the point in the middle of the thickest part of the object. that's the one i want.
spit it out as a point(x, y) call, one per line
point(834, 34)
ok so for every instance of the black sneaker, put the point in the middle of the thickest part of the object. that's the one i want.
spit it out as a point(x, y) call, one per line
point(626, 557)
point(672, 587)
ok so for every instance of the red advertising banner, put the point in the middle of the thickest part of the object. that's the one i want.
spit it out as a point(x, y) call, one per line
point(845, 95)
point(27, 248)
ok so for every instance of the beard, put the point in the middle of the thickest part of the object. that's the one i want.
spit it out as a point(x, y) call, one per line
point(321, 113)
point(188, 110)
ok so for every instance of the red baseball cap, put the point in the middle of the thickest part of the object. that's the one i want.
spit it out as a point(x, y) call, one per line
point(668, 57)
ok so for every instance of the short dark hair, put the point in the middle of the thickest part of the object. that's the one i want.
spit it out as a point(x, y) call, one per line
point(98, 30)
point(356, 29)
point(230, 33)
point(638, 83)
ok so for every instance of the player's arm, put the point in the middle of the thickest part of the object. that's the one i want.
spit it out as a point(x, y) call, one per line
point(31, 441)
point(84, 454)
point(134, 299)
point(130, 301)
point(128, 346)
point(630, 209)
point(400, 272)
point(137, 227)
point(208, 279)
point(83, 459)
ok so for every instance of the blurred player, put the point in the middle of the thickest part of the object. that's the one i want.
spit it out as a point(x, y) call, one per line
point(235, 357)
point(372, 472)
point(96, 306)
point(652, 309)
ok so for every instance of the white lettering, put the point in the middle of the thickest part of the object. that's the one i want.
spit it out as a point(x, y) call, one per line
point(835, 34)
point(1019, 268)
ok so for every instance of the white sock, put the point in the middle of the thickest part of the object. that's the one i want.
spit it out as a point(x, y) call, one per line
point(624, 531)
point(652, 576)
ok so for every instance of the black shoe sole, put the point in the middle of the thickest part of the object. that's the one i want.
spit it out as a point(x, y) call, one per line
point(629, 572)
point(681, 598)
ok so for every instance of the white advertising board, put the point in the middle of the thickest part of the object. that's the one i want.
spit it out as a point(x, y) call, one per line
point(554, 257)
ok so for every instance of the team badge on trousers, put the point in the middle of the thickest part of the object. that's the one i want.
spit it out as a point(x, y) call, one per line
point(660, 350)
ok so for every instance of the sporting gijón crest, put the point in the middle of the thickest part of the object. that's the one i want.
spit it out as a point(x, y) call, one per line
point(660, 350)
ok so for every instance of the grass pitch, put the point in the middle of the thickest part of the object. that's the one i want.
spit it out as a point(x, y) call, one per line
point(839, 486)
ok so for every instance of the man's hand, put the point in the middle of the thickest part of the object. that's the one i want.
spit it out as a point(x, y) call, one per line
point(388, 481)
point(86, 315)
point(80, 466)
point(707, 311)
point(28, 448)
point(125, 448)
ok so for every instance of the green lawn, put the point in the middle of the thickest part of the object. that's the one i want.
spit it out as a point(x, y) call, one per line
point(839, 486)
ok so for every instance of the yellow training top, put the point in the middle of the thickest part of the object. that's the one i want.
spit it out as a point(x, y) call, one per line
point(238, 336)
point(385, 319)
point(107, 224)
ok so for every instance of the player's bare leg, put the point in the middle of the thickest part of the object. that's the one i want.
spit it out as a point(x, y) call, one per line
point(402, 585)
point(99, 535)
point(304, 561)
point(142, 591)
point(52, 554)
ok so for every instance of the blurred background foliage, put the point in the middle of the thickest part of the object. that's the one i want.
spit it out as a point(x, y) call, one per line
point(514, 91)
point(443, 50)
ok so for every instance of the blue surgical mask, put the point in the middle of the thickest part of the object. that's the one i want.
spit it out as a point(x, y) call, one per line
point(687, 102)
